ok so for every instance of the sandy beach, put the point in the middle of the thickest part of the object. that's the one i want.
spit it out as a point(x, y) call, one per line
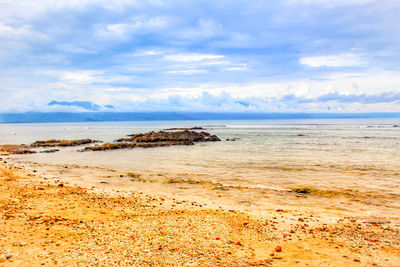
point(200, 133)
point(47, 222)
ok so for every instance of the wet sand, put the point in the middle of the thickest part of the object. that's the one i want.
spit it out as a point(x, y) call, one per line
point(45, 221)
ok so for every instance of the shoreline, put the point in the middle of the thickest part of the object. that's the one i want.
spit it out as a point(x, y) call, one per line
point(45, 223)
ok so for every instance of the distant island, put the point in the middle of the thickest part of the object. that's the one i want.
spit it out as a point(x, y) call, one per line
point(34, 117)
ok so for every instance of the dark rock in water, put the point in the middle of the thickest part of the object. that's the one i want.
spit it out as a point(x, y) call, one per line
point(53, 142)
point(302, 190)
point(156, 139)
point(112, 146)
point(185, 136)
point(301, 135)
point(232, 139)
point(23, 151)
point(396, 126)
point(183, 128)
point(109, 146)
point(50, 151)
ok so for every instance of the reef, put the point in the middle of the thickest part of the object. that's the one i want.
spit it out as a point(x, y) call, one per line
point(53, 142)
point(16, 149)
point(156, 139)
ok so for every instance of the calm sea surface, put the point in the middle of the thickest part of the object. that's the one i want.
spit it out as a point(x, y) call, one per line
point(351, 163)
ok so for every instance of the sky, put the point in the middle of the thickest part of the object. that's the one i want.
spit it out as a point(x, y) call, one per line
point(219, 56)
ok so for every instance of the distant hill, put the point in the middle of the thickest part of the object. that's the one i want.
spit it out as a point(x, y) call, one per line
point(30, 117)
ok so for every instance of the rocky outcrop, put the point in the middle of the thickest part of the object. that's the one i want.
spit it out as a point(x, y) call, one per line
point(183, 128)
point(162, 136)
point(50, 151)
point(16, 149)
point(53, 143)
point(156, 139)
point(112, 146)
point(109, 146)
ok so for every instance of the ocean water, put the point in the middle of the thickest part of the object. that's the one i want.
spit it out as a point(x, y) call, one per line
point(348, 164)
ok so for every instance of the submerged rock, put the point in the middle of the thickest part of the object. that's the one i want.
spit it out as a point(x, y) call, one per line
point(109, 146)
point(16, 149)
point(232, 139)
point(50, 151)
point(53, 142)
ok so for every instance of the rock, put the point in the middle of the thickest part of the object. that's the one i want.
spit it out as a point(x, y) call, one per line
point(302, 190)
point(156, 139)
point(53, 142)
point(23, 151)
point(232, 139)
point(178, 136)
point(183, 128)
point(16, 149)
point(278, 249)
point(50, 151)
point(109, 146)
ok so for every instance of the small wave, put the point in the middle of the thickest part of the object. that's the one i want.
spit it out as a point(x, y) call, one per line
point(380, 126)
point(215, 126)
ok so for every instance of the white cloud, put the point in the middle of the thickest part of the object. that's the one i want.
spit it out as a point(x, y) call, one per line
point(342, 60)
point(192, 57)
point(186, 71)
point(329, 3)
point(27, 9)
point(136, 24)
point(84, 77)
point(236, 68)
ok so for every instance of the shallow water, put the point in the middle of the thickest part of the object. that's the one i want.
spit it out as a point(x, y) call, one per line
point(350, 164)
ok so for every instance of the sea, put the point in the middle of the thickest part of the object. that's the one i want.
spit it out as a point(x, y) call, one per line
point(346, 166)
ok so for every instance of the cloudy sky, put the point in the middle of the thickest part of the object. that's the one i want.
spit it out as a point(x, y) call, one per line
point(226, 55)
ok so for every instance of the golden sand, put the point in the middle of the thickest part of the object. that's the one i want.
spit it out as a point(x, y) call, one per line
point(47, 224)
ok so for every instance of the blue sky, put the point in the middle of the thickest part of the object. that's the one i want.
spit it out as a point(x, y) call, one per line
point(263, 56)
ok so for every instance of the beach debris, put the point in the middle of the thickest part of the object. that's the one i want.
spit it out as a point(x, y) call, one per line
point(278, 248)
point(54, 142)
point(302, 190)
